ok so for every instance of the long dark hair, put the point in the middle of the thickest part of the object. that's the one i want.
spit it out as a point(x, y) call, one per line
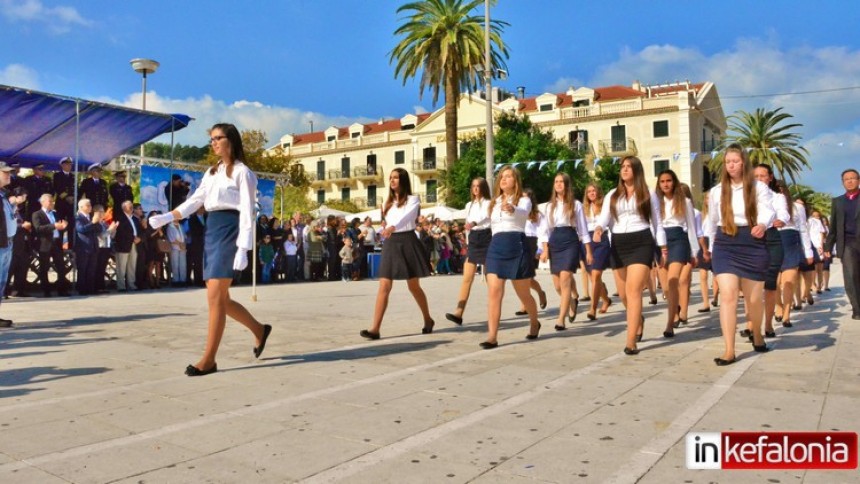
point(483, 189)
point(237, 151)
point(679, 199)
point(772, 184)
point(534, 215)
point(640, 190)
point(566, 196)
point(404, 190)
point(782, 189)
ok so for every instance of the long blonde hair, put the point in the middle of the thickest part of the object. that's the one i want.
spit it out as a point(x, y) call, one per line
point(750, 208)
point(497, 188)
point(640, 190)
point(566, 196)
point(587, 203)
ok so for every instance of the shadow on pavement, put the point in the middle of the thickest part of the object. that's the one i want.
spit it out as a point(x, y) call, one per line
point(39, 375)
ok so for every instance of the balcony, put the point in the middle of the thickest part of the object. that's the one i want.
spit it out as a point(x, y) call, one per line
point(427, 198)
point(428, 166)
point(617, 147)
point(338, 176)
point(367, 173)
point(316, 179)
point(367, 203)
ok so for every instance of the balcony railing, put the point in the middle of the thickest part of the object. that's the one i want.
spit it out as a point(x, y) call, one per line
point(317, 179)
point(424, 197)
point(428, 166)
point(367, 172)
point(338, 175)
point(365, 202)
point(617, 147)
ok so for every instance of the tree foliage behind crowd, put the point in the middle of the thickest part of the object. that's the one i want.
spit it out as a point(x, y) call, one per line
point(519, 140)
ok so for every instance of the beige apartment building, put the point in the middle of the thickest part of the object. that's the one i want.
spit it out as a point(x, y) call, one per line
point(673, 126)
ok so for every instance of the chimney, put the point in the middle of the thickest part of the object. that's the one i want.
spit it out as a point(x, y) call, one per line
point(637, 85)
point(521, 92)
point(380, 121)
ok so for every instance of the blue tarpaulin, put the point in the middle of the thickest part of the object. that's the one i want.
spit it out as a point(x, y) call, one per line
point(38, 128)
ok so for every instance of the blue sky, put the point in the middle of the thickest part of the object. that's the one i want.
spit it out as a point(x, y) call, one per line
point(275, 65)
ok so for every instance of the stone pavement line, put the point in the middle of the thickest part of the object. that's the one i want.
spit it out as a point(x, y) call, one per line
point(642, 461)
point(390, 451)
point(140, 385)
point(217, 417)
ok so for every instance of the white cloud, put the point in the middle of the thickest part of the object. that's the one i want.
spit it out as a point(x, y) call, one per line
point(19, 75)
point(562, 84)
point(275, 121)
point(60, 19)
point(418, 109)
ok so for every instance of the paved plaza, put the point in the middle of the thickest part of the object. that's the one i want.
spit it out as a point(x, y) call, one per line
point(92, 391)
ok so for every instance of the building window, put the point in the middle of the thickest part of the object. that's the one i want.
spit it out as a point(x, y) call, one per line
point(371, 196)
point(320, 196)
point(356, 134)
point(344, 167)
point(545, 107)
point(399, 157)
point(285, 145)
point(578, 140)
point(581, 103)
point(407, 126)
point(330, 138)
point(344, 194)
point(371, 164)
point(321, 170)
point(661, 129)
point(659, 166)
point(431, 191)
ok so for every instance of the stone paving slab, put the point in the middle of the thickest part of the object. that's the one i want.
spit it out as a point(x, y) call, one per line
point(91, 390)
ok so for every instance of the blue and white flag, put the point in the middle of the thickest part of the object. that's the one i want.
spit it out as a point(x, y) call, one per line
point(531, 165)
point(542, 164)
point(558, 164)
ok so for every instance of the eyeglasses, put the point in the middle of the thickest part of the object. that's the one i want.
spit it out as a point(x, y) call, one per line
point(216, 139)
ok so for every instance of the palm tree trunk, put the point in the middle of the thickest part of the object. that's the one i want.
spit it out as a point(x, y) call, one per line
point(452, 100)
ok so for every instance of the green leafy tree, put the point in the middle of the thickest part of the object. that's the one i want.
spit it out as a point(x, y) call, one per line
point(187, 153)
point(344, 205)
point(607, 172)
point(771, 141)
point(517, 141)
point(814, 200)
point(444, 40)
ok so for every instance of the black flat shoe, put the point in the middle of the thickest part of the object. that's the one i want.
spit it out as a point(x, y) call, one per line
point(668, 334)
point(575, 308)
point(192, 370)
point(454, 318)
point(368, 334)
point(639, 335)
point(797, 307)
point(809, 300)
point(560, 328)
point(715, 303)
point(704, 310)
point(787, 324)
point(535, 335)
point(677, 324)
point(827, 289)
point(778, 319)
point(745, 333)
point(761, 349)
point(591, 316)
point(520, 313)
point(682, 321)
point(258, 350)
point(653, 301)
point(542, 299)
point(588, 298)
point(770, 334)
point(487, 345)
point(631, 352)
point(428, 328)
point(722, 362)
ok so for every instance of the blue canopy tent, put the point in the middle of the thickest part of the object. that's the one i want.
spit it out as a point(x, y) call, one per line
point(43, 128)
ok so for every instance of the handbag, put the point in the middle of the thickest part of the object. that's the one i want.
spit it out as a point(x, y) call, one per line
point(163, 246)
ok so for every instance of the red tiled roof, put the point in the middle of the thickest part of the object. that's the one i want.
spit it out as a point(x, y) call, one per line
point(343, 132)
point(656, 91)
point(605, 94)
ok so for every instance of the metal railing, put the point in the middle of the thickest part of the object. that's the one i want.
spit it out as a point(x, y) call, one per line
point(429, 165)
point(366, 171)
point(617, 147)
point(336, 174)
point(365, 202)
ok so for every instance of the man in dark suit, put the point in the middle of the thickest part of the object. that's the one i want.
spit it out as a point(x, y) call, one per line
point(8, 229)
point(37, 184)
point(845, 235)
point(86, 246)
point(49, 228)
point(94, 188)
point(176, 192)
point(22, 251)
point(194, 255)
point(128, 235)
point(120, 191)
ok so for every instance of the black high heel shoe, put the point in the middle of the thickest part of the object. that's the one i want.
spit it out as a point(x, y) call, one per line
point(428, 328)
point(542, 299)
point(641, 326)
point(535, 335)
point(258, 350)
point(575, 308)
point(761, 349)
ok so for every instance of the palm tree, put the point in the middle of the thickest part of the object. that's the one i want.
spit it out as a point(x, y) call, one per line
point(768, 141)
point(814, 199)
point(444, 40)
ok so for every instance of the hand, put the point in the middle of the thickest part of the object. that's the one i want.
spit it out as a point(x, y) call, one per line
point(507, 207)
point(809, 261)
point(589, 259)
point(113, 226)
point(137, 240)
point(543, 256)
point(468, 226)
point(240, 262)
point(758, 231)
point(827, 254)
point(157, 221)
point(694, 261)
point(663, 256)
point(778, 223)
point(61, 225)
point(706, 255)
point(388, 231)
point(26, 226)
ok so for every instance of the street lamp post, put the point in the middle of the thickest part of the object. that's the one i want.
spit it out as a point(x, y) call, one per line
point(144, 67)
point(488, 75)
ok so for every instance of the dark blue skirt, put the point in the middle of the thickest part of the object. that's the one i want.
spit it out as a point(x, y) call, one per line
point(508, 256)
point(403, 257)
point(742, 255)
point(599, 253)
point(775, 256)
point(804, 267)
point(563, 250)
point(792, 249)
point(700, 256)
point(479, 241)
point(219, 249)
point(632, 248)
point(678, 245)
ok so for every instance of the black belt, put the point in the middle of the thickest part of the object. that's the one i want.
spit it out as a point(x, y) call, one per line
point(226, 210)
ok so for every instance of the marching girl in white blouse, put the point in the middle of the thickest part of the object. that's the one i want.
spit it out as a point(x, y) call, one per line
point(567, 228)
point(592, 205)
point(796, 248)
point(508, 255)
point(679, 223)
point(631, 211)
point(227, 192)
point(536, 236)
point(478, 226)
point(740, 211)
point(403, 255)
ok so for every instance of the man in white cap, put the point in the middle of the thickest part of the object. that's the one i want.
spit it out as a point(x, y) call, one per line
point(63, 186)
point(8, 227)
point(94, 188)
